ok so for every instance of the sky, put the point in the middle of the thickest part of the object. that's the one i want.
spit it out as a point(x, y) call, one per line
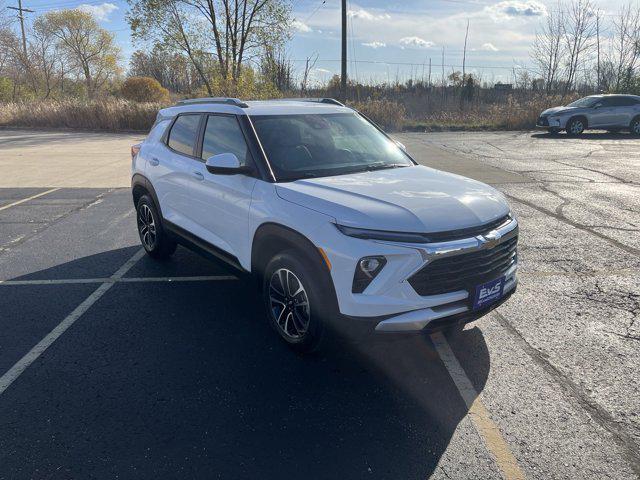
point(388, 39)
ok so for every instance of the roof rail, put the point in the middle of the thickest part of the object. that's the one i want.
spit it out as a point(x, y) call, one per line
point(331, 101)
point(220, 100)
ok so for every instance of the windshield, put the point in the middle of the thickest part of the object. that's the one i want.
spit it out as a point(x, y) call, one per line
point(321, 145)
point(585, 102)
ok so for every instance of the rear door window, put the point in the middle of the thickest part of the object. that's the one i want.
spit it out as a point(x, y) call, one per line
point(184, 133)
point(607, 102)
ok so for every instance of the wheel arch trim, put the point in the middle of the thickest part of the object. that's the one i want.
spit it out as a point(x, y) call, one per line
point(581, 117)
point(287, 238)
point(140, 181)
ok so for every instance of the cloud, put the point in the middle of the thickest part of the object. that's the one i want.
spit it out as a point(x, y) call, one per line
point(374, 44)
point(490, 47)
point(100, 12)
point(515, 8)
point(301, 26)
point(362, 14)
point(322, 71)
point(415, 42)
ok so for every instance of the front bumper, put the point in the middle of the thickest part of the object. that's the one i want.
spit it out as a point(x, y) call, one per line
point(390, 303)
point(550, 123)
point(432, 319)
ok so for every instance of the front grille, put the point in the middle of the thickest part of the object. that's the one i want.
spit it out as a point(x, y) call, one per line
point(464, 271)
point(543, 121)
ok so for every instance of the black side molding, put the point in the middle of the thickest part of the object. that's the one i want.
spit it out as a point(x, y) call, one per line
point(198, 245)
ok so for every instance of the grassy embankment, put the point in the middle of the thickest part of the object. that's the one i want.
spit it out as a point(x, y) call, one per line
point(113, 114)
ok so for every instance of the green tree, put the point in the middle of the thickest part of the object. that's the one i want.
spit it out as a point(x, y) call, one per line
point(88, 49)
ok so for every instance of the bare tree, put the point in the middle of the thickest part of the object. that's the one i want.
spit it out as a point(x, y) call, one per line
point(45, 54)
point(579, 35)
point(625, 45)
point(19, 62)
point(233, 31)
point(549, 48)
point(276, 68)
point(309, 64)
point(173, 70)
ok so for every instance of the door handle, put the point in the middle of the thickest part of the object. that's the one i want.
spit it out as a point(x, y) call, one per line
point(198, 175)
point(154, 161)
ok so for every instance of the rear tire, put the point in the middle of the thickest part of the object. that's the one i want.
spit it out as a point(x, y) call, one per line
point(293, 301)
point(634, 127)
point(575, 127)
point(154, 239)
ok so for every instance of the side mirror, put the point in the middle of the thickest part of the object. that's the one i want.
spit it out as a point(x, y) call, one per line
point(226, 164)
point(597, 105)
point(401, 145)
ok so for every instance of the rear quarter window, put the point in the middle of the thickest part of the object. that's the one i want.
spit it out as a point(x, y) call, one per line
point(184, 133)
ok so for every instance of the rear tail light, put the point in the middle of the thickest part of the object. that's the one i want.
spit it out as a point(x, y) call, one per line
point(135, 149)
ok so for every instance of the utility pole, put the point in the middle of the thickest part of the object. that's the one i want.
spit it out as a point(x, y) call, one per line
point(464, 54)
point(21, 11)
point(343, 73)
point(598, 42)
point(442, 62)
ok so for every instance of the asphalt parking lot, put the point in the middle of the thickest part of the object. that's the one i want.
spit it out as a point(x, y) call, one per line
point(113, 365)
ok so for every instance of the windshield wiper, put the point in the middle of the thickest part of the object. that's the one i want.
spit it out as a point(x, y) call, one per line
point(383, 166)
point(301, 176)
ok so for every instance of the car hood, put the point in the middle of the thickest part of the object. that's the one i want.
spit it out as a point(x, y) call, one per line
point(408, 199)
point(561, 110)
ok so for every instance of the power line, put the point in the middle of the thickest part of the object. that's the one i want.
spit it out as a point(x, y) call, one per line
point(382, 62)
point(314, 11)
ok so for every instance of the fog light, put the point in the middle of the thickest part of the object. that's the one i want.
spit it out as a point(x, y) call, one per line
point(366, 270)
point(369, 266)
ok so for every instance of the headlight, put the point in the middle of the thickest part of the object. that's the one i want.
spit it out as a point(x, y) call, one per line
point(367, 234)
point(366, 270)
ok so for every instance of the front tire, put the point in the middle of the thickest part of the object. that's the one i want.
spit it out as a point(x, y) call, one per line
point(575, 127)
point(634, 127)
point(154, 239)
point(293, 301)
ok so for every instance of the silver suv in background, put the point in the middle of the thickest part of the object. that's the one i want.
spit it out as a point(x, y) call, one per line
point(605, 112)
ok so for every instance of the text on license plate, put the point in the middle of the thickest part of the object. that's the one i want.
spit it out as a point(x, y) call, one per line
point(488, 293)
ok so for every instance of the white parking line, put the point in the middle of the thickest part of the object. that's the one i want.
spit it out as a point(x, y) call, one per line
point(29, 198)
point(21, 365)
point(478, 413)
point(71, 281)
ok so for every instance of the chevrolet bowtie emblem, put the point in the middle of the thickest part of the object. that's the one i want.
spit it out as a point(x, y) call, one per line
point(490, 241)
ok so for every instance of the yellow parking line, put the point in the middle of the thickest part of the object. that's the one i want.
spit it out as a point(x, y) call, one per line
point(29, 198)
point(478, 413)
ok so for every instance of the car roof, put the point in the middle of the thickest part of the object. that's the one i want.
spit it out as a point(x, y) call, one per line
point(257, 107)
point(603, 95)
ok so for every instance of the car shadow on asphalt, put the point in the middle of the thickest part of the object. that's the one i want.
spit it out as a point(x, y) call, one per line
point(187, 379)
point(596, 135)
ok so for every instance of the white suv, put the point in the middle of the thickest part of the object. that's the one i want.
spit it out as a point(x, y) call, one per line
point(343, 228)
